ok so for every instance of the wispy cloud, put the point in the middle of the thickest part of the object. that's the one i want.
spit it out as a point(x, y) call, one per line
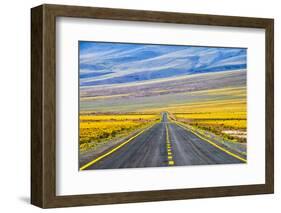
point(104, 63)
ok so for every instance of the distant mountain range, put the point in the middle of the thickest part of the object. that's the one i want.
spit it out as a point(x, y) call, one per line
point(104, 63)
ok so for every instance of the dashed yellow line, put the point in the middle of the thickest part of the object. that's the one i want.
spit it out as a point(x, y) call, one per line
point(171, 163)
point(169, 149)
point(212, 143)
point(113, 150)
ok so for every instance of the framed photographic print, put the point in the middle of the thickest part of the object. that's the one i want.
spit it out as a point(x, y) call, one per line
point(135, 106)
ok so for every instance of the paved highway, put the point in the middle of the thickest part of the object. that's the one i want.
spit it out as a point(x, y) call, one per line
point(164, 144)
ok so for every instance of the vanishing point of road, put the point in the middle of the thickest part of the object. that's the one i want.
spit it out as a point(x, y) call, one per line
point(164, 144)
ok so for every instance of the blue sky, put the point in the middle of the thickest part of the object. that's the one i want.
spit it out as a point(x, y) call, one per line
point(105, 63)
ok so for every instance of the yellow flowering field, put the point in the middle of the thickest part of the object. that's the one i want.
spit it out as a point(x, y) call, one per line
point(96, 129)
point(118, 117)
point(226, 118)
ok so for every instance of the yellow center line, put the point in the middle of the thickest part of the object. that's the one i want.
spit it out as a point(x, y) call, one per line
point(212, 143)
point(113, 150)
point(171, 163)
point(169, 150)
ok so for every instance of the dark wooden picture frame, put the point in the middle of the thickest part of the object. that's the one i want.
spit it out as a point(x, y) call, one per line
point(43, 105)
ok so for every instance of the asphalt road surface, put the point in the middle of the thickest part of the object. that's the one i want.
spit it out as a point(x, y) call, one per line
point(164, 144)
